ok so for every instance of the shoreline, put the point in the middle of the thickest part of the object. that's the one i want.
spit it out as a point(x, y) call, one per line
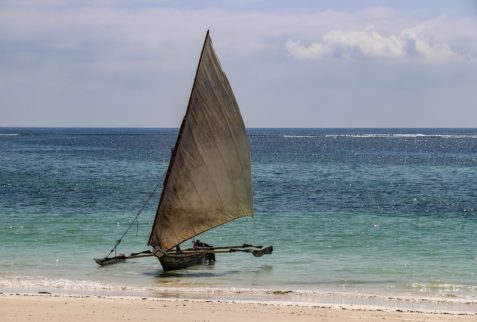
point(19, 307)
point(445, 304)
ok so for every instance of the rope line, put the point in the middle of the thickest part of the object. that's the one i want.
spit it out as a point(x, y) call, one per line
point(134, 221)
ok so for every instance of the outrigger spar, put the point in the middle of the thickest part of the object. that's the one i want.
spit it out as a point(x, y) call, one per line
point(209, 179)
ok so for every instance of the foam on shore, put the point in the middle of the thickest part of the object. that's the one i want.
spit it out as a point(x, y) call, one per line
point(379, 301)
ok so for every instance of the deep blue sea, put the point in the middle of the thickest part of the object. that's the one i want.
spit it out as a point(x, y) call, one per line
point(357, 211)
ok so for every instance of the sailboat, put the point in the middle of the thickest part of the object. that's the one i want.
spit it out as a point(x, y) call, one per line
point(209, 181)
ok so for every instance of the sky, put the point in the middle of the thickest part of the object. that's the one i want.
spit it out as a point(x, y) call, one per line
point(326, 64)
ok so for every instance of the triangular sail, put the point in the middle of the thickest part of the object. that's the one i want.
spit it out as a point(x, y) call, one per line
point(208, 182)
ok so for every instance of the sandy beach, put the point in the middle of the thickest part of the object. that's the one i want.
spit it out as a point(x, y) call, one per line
point(49, 307)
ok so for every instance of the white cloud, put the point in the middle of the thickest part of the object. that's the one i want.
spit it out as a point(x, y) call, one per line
point(416, 43)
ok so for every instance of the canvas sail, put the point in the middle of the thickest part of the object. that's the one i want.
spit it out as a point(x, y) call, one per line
point(208, 182)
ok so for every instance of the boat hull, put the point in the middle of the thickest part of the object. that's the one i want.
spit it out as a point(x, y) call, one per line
point(173, 261)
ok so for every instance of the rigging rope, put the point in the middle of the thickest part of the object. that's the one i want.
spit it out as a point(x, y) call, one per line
point(134, 221)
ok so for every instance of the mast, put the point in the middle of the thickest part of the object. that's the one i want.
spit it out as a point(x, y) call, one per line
point(208, 181)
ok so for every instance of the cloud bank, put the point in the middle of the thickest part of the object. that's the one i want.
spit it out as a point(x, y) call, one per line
point(416, 43)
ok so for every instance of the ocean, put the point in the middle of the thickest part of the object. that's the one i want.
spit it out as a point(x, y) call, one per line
point(353, 215)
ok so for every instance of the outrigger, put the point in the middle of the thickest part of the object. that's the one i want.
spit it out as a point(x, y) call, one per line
point(196, 255)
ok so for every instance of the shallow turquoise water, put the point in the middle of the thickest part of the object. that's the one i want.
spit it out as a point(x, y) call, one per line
point(390, 211)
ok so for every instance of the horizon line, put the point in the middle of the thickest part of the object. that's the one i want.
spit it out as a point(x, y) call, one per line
point(167, 127)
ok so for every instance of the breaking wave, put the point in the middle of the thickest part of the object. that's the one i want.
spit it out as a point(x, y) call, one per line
point(62, 286)
point(385, 135)
point(403, 135)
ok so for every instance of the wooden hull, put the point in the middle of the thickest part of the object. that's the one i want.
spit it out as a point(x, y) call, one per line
point(172, 261)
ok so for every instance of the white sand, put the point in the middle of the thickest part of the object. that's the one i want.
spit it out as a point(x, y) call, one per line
point(30, 307)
